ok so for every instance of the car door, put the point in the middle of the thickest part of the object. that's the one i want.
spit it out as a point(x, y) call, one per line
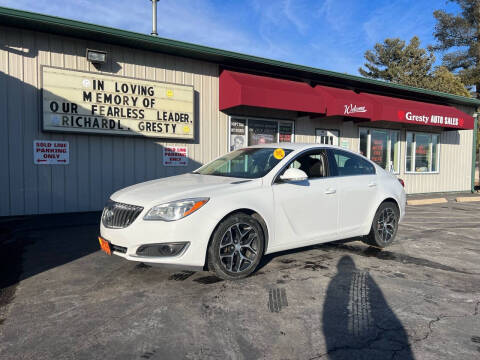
point(357, 190)
point(306, 212)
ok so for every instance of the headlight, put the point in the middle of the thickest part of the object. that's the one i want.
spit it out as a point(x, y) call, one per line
point(175, 210)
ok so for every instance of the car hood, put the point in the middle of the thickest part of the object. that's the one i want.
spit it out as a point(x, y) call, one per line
point(172, 188)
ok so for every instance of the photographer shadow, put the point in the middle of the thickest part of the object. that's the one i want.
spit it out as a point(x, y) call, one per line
point(358, 323)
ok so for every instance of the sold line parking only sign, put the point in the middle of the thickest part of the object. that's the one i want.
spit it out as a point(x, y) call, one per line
point(175, 156)
point(46, 152)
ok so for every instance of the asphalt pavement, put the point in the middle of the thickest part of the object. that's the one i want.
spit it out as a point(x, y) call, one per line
point(61, 298)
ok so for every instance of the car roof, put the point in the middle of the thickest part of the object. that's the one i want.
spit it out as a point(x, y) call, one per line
point(294, 146)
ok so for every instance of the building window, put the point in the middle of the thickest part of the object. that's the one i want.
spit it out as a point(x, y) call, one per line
point(246, 132)
point(285, 131)
point(237, 134)
point(329, 137)
point(382, 146)
point(422, 153)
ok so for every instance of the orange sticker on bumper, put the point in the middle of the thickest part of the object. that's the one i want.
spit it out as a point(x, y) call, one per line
point(105, 246)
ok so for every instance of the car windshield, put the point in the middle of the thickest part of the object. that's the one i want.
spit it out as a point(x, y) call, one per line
point(249, 163)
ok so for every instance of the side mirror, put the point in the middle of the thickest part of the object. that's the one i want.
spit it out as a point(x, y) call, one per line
point(292, 175)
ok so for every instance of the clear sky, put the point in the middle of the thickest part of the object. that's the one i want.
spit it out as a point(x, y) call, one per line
point(328, 34)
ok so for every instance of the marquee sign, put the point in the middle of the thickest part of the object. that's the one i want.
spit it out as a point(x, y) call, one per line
point(85, 102)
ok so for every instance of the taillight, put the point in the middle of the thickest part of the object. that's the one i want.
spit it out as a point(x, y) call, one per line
point(401, 182)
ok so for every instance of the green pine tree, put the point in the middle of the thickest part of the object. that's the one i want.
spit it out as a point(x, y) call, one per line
point(409, 64)
point(460, 33)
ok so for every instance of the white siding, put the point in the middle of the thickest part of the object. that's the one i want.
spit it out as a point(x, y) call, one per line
point(99, 165)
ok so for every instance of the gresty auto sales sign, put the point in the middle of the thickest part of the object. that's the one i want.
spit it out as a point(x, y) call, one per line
point(385, 108)
point(429, 119)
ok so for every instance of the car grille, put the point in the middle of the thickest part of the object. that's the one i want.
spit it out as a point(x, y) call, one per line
point(117, 215)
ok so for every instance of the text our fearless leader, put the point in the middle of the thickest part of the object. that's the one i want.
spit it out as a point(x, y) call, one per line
point(76, 101)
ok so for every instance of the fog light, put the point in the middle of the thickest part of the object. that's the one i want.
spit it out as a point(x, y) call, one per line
point(166, 249)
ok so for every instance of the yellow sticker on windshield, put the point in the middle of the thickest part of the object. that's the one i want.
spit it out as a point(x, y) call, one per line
point(278, 154)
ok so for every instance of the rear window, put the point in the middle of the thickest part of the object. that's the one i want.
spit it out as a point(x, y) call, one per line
point(347, 164)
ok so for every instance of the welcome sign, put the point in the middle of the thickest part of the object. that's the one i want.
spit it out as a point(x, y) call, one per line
point(85, 102)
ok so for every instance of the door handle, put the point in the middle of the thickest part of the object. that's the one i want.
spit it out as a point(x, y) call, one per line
point(372, 184)
point(330, 191)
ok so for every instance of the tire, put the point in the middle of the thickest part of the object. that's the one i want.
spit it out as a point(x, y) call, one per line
point(380, 235)
point(236, 247)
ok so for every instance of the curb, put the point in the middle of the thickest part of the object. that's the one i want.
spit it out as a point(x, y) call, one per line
point(467, 199)
point(442, 200)
point(427, 201)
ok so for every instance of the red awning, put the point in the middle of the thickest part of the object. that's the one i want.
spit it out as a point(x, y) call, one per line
point(420, 113)
point(341, 102)
point(237, 89)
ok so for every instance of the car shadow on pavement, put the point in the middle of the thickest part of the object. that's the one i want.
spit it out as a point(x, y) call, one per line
point(266, 259)
point(357, 322)
point(32, 245)
point(345, 246)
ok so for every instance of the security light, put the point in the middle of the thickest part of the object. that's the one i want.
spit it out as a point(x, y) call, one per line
point(96, 56)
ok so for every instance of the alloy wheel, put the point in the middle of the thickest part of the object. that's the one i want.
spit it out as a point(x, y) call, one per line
point(386, 224)
point(239, 248)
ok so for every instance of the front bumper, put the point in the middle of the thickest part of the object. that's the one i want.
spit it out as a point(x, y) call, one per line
point(195, 229)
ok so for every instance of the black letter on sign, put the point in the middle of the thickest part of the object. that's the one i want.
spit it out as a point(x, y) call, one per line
point(98, 85)
point(54, 106)
point(87, 96)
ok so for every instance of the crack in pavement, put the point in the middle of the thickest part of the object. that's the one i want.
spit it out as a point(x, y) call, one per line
point(367, 344)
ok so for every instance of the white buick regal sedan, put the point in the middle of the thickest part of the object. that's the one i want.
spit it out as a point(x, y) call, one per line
point(254, 201)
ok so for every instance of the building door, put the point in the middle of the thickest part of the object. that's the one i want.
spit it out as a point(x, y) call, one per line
point(328, 137)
